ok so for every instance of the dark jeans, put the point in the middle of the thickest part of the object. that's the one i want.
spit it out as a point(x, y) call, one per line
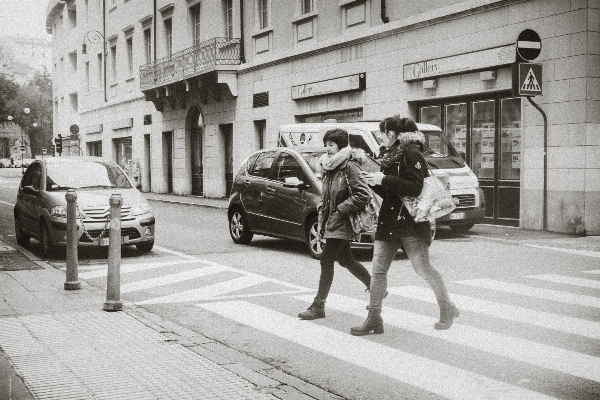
point(339, 250)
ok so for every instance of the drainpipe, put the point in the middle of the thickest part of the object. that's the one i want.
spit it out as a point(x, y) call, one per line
point(545, 194)
point(104, 45)
point(242, 50)
point(154, 29)
point(384, 17)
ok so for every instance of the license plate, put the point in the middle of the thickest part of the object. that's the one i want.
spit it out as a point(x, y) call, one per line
point(104, 242)
point(459, 215)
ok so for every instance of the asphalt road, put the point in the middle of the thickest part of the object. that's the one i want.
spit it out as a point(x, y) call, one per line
point(529, 327)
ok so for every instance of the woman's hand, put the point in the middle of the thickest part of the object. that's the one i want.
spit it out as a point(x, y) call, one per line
point(373, 178)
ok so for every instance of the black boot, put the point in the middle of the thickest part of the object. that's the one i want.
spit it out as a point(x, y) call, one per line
point(316, 310)
point(372, 323)
point(448, 312)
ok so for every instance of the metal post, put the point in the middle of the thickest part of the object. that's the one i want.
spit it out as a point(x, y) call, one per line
point(72, 282)
point(113, 281)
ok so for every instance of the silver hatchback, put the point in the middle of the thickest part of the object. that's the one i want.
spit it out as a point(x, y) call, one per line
point(41, 208)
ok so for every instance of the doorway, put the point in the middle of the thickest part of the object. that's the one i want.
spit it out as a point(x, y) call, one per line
point(196, 134)
point(227, 132)
point(168, 159)
point(487, 130)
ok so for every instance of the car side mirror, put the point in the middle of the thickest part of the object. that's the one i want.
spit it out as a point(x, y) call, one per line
point(294, 182)
point(30, 190)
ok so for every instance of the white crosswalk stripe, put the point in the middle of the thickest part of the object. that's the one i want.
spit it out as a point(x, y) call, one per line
point(569, 280)
point(171, 279)
point(127, 268)
point(542, 355)
point(508, 312)
point(532, 291)
point(595, 271)
point(450, 382)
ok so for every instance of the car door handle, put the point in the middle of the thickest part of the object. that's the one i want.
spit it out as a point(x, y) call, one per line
point(247, 182)
point(270, 189)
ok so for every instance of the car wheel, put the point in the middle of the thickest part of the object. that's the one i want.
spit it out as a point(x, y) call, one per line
point(315, 245)
point(22, 238)
point(462, 228)
point(47, 245)
point(145, 247)
point(239, 228)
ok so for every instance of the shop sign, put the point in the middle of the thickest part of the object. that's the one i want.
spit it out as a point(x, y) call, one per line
point(478, 60)
point(336, 85)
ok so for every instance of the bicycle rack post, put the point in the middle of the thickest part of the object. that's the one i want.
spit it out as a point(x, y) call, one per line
point(72, 282)
point(113, 281)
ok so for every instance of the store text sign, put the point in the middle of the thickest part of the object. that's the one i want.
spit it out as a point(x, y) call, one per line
point(336, 85)
point(478, 60)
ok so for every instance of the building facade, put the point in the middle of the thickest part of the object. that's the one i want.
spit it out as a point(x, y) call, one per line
point(181, 91)
point(21, 57)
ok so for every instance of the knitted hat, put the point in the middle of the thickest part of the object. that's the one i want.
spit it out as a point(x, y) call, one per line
point(337, 136)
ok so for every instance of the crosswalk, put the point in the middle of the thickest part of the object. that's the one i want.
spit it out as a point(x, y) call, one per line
point(230, 292)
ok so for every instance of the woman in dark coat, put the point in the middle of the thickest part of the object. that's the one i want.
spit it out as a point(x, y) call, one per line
point(403, 169)
point(344, 191)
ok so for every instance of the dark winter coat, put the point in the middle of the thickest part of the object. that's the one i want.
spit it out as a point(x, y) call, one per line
point(403, 178)
point(337, 203)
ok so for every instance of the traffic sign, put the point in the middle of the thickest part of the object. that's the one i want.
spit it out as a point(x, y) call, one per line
point(529, 45)
point(22, 148)
point(74, 129)
point(529, 80)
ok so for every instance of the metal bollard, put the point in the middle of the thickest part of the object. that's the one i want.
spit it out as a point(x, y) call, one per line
point(72, 282)
point(113, 281)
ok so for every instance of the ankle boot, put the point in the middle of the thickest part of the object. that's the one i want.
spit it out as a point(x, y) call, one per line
point(372, 323)
point(316, 310)
point(448, 312)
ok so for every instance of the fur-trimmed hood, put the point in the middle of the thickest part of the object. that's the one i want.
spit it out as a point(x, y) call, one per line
point(407, 138)
point(341, 157)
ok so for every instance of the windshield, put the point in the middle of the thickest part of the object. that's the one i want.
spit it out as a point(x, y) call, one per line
point(85, 174)
point(437, 150)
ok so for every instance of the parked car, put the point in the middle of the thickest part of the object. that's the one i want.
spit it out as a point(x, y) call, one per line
point(275, 193)
point(4, 163)
point(41, 208)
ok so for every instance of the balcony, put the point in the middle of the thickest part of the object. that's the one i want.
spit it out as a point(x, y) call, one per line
point(217, 57)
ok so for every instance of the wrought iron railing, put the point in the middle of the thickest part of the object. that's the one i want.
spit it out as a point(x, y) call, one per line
point(190, 62)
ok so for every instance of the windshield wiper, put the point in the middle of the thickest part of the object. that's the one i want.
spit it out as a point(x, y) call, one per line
point(97, 186)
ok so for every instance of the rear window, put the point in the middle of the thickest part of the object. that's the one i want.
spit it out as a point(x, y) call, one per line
point(85, 174)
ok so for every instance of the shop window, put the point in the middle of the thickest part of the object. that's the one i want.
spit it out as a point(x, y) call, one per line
point(483, 139)
point(456, 126)
point(510, 137)
point(123, 152)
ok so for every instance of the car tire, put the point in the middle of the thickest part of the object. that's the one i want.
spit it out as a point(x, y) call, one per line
point(315, 245)
point(22, 238)
point(239, 229)
point(462, 228)
point(48, 248)
point(145, 247)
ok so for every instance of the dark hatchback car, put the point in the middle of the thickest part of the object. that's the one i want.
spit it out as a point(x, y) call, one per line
point(276, 192)
point(41, 208)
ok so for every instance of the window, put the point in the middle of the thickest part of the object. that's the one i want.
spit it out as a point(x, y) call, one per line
point(260, 127)
point(99, 70)
point(229, 19)
point(263, 164)
point(288, 167)
point(87, 11)
point(113, 61)
point(195, 13)
point(74, 100)
point(307, 6)
point(169, 36)
point(73, 61)
point(87, 76)
point(148, 45)
point(263, 13)
point(72, 14)
point(129, 46)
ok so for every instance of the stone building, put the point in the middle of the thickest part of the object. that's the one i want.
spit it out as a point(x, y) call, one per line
point(21, 57)
point(183, 90)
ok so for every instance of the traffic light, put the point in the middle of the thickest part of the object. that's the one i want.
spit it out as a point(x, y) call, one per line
point(58, 143)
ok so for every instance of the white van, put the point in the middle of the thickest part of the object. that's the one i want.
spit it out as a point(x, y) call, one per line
point(443, 158)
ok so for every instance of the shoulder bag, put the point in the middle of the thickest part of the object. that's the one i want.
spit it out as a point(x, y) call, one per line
point(365, 219)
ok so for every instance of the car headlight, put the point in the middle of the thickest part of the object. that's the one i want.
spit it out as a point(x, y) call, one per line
point(59, 211)
point(142, 208)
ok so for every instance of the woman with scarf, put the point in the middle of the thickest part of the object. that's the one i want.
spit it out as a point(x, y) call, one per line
point(344, 191)
point(403, 169)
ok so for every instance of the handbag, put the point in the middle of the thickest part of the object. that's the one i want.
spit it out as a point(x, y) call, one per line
point(434, 202)
point(364, 219)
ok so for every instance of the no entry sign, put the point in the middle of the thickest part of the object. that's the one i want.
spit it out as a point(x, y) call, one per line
point(529, 45)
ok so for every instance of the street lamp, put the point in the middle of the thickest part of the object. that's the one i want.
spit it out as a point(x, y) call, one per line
point(26, 110)
point(95, 37)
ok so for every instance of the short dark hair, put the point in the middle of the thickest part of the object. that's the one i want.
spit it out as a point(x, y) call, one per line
point(337, 136)
point(398, 124)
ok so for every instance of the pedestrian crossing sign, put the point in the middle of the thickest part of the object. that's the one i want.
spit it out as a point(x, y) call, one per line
point(529, 80)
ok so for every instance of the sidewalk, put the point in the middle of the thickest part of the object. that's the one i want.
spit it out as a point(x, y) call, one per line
point(59, 344)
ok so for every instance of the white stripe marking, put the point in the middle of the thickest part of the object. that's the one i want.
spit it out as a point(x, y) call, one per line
point(4, 202)
point(128, 268)
point(531, 291)
point(595, 271)
point(569, 280)
point(587, 253)
point(508, 312)
point(170, 279)
point(525, 44)
point(445, 380)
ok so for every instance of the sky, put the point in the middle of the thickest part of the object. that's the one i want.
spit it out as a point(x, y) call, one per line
point(26, 18)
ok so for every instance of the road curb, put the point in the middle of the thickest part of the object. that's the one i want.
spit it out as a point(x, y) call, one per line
point(185, 203)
